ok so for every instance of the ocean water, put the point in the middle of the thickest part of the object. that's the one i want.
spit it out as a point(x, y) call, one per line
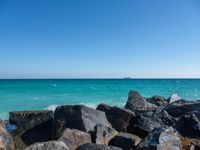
point(46, 94)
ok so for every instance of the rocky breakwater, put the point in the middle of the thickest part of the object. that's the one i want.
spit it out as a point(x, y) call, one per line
point(152, 123)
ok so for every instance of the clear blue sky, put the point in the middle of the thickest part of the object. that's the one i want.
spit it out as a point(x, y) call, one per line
point(99, 38)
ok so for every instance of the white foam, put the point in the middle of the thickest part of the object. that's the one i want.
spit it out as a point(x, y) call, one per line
point(51, 107)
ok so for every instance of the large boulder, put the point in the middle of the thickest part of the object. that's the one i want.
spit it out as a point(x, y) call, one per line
point(97, 147)
point(161, 139)
point(74, 138)
point(182, 107)
point(77, 117)
point(157, 100)
point(51, 145)
point(118, 117)
point(103, 134)
point(6, 141)
point(126, 141)
point(137, 103)
point(189, 126)
point(144, 123)
point(32, 126)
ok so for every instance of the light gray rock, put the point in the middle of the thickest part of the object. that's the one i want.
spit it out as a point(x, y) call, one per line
point(173, 98)
point(97, 147)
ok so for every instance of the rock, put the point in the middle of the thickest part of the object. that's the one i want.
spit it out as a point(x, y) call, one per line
point(97, 147)
point(144, 123)
point(189, 126)
point(181, 107)
point(118, 117)
point(74, 138)
point(51, 145)
point(126, 141)
point(77, 117)
point(158, 101)
point(32, 126)
point(6, 141)
point(137, 103)
point(103, 134)
point(173, 98)
point(161, 139)
point(190, 144)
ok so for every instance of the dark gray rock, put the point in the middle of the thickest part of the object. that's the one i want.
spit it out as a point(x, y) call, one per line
point(118, 117)
point(51, 145)
point(158, 101)
point(182, 107)
point(137, 103)
point(32, 126)
point(6, 141)
point(103, 134)
point(126, 141)
point(77, 117)
point(144, 123)
point(161, 139)
point(74, 138)
point(97, 147)
point(189, 126)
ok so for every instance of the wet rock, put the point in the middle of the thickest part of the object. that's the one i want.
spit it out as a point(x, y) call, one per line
point(144, 123)
point(158, 101)
point(189, 126)
point(97, 147)
point(118, 117)
point(6, 141)
point(103, 134)
point(32, 126)
point(51, 145)
point(74, 138)
point(137, 103)
point(173, 98)
point(182, 107)
point(161, 139)
point(77, 117)
point(125, 141)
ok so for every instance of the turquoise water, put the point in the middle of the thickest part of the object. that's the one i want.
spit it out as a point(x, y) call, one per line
point(42, 94)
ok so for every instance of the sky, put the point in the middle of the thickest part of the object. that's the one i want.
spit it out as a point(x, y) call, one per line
point(99, 38)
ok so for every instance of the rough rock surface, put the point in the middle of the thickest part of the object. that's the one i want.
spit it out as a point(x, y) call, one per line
point(157, 100)
point(137, 103)
point(189, 126)
point(125, 141)
point(51, 145)
point(97, 147)
point(74, 138)
point(161, 139)
point(6, 142)
point(103, 134)
point(118, 117)
point(77, 117)
point(144, 123)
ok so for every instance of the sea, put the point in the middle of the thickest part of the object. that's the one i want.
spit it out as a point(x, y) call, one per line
point(37, 94)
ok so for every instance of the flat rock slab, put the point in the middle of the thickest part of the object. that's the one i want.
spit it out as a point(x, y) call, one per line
point(74, 138)
point(97, 147)
point(77, 117)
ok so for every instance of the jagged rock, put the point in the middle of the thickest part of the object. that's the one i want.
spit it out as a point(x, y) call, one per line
point(126, 141)
point(190, 144)
point(32, 126)
point(181, 107)
point(118, 117)
point(157, 100)
point(137, 103)
point(6, 141)
point(97, 147)
point(189, 126)
point(74, 138)
point(103, 134)
point(161, 139)
point(173, 98)
point(144, 123)
point(51, 145)
point(77, 117)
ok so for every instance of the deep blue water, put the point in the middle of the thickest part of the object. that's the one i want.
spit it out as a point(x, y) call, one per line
point(40, 94)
